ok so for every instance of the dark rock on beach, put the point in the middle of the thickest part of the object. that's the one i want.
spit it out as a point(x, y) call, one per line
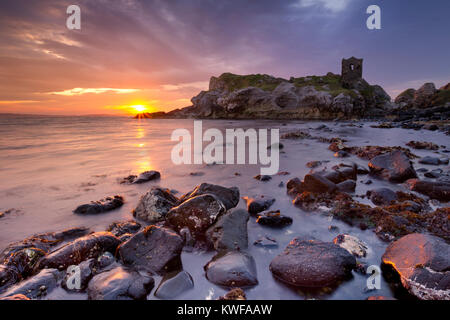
point(154, 249)
point(312, 263)
point(394, 167)
point(172, 285)
point(274, 219)
point(232, 269)
point(257, 205)
point(439, 190)
point(81, 249)
point(142, 178)
point(266, 242)
point(228, 196)
point(229, 232)
point(347, 186)
point(37, 286)
point(155, 204)
point(86, 273)
point(103, 205)
point(422, 263)
point(197, 214)
point(433, 161)
point(382, 196)
point(120, 284)
point(126, 227)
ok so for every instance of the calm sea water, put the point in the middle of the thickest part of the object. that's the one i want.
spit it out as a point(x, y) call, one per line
point(50, 165)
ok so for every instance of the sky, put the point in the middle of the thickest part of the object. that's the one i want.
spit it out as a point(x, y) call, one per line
point(159, 54)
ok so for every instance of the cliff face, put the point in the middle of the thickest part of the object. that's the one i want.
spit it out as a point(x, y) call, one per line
point(233, 96)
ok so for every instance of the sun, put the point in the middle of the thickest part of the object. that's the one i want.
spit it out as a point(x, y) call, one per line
point(138, 108)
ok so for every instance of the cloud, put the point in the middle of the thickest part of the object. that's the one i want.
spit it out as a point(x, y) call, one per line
point(2, 102)
point(201, 85)
point(333, 6)
point(80, 91)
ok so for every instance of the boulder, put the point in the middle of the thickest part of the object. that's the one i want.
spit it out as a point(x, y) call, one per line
point(120, 228)
point(382, 196)
point(16, 297)
point(274, 219)
point(347, 186)
point(85, 275)
point(172, 285)
point(352, 244)
point(155, 204)
point(422, 263)
point(154, 249)
point(433, 161)
point(312, 263)
point(232, 269)
point(318, 184)
point(439, 190)
point(197, 214)
point(81, 249)
point(229, 232)
point(394, 167)
point(36, 286)
point(228, 196)
point(257, 205)
point(103, 205)
point(120, 284)
point(147, 176)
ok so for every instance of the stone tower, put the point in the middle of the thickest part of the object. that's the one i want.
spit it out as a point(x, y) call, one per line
point(351, 71)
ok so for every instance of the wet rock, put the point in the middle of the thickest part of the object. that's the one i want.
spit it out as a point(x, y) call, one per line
point(439, 190)
point(433, 161)
point(367, 182)
point(232, 269)
point(422, 263)
point(422, 145)
point(234, 294)
point(262, 177)
point(153, 249)
point(155, 204)
point(347, 186)
point(382, 196)
point(257, 205)
point(37, 286)
point(312, 263)
point(85, 274)
point(103, 205)
point(120, 284)
point(317, 184)
point(8, 277)
point(266, 242)
point(81, 249)
point(274, 219)
point(172, 285)
point(19, 259)
point(352, 244)
point(142, 178)
point(229, 232)
point(361, 170)
point(394, 167)
point(120, 228)
point(197, 213)
point(228, 196)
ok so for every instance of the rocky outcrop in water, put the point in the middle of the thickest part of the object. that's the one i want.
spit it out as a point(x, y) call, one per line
point(263, 96)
